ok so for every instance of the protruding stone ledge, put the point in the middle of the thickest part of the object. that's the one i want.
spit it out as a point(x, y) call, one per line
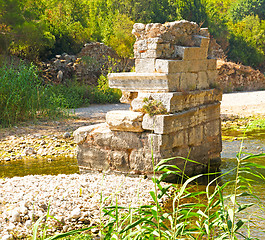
point(82, 133)
point(144, 81)
point(165, 124)
point(179, 101)
point(127, 121)
point(161, 82)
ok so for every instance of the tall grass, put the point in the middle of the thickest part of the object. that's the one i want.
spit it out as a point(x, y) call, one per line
point(189, 212)
point(23, 95)
point(204, 214)
point(73, 94)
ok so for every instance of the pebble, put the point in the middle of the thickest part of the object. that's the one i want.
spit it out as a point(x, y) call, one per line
point(25, 199)
point(76, 213)
point(15, 216)
point(7, 237)
point(66, 135)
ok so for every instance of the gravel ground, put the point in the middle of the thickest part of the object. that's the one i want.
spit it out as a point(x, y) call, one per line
point(74, 199)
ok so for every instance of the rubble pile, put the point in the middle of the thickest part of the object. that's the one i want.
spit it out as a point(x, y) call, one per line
point(237, 77)
point(93, 60)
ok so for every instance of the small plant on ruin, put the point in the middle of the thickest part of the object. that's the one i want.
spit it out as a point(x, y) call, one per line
point(153, 107)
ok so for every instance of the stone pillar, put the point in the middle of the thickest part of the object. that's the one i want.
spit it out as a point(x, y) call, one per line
point(174, 75)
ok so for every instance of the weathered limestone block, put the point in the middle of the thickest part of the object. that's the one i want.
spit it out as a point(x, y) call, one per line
point(168, 141)
point(144, 81)
point(202, 81)
point(145, 65)
point(101, 135)
point(165, 124)
point(195, 135)
point(191, 53)
point(170, 66)
point(141, 160)
point(212, 128)
point(179, 101)
point(81, 134)
point(180, 66)
point(120, 160)
point(212, 75)
point(188, 81)
point(151, 54)
point(178, 32)
point(201, 41)
point(125, 121)
point(211, 64)
point(127, 97)
point(92, 157)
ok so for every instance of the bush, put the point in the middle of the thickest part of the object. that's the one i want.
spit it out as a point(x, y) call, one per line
point(243, 8)
point(22, 95)
point(103, 94)
point(247, 41)
point(74, 94)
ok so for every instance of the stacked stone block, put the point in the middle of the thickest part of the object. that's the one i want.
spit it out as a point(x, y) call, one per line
point(171, 68)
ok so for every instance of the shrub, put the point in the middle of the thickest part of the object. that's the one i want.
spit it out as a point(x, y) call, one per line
point(23, 96)
point(243, 8)
point(247, 41)
point(153, 107)
point(103, 94)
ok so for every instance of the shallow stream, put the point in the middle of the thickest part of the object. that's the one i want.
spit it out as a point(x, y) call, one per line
point(254, 143)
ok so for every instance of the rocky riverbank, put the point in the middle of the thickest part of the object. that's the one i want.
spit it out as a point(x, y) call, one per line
point(75, 200)
point(46, 139)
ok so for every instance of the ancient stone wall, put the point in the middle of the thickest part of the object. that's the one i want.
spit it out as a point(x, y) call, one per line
point(94, 59)
point(172, 73)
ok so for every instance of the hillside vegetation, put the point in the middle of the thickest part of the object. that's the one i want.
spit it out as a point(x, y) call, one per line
point(39, 29)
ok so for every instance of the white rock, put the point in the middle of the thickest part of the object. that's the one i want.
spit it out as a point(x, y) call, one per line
point(28, 223)
point(76, 213)
point(125, 121)
point(66, 135)
point(11, 227)
point(23, 210)
point(15, 216)
point(7, 237)
point(65, 228)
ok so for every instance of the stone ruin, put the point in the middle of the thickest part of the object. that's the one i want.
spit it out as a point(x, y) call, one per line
point(172, 71)
point(93, 60)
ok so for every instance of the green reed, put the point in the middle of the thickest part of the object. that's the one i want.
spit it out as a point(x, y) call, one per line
point(192, 213)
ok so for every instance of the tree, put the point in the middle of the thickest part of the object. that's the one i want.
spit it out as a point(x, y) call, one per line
point(192, 10)
point(246, 40)
point(243, 8)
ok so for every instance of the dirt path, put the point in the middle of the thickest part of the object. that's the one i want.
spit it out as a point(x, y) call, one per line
point(233, 104)
point(243, 104)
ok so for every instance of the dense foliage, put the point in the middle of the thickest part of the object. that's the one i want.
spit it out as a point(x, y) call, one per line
point(24, 96)
point(40, 29)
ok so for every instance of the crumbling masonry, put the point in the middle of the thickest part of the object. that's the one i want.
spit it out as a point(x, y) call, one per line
point(171, 69)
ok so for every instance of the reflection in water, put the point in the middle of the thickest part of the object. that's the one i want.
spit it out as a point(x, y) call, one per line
point(38, 166)
point(256, 212)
